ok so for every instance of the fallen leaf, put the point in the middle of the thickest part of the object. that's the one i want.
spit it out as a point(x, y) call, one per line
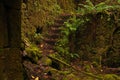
point(32, 77)
point(37, 78)
point(41, 45)
point(51, 51)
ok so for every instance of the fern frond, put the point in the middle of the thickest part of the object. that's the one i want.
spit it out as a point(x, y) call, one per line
point(89, 3)
point(100, 4)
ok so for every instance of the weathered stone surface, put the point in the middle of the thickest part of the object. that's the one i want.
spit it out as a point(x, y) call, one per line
point(3, 27)
point(10, 66)
point(2, 76)
point(10, 30)
point(14, 27)
point(10, 37)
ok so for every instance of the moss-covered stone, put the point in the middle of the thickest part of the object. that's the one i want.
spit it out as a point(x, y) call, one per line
point(33, 52)
point(71, 77)
point(111, 77)
point(46, 61)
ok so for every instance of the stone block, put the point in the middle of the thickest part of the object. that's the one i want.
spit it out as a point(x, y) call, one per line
point(14, 27)
point(2, 67)
point(3, 27)
point(10, 64)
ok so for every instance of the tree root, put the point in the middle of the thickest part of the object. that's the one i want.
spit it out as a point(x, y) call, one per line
point(85, 73)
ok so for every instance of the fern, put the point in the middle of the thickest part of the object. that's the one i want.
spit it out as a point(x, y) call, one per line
point(62, 45)
point(93, 9)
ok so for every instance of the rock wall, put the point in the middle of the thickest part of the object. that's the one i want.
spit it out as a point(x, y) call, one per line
point(10, 39)
point(100, 38)
point(41, 14)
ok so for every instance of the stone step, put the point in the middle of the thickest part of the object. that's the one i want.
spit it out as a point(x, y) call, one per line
point(59, 20)
point(50, 41)
point(54, 36)
point(48, 47)
point(48, 51)
point(65, 16)
point(55, 30)
point(57, 25)
point(54, 33)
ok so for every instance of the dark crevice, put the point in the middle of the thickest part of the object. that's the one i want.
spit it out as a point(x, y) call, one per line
point(7, 9)
point(39, 30)
point(55, 65)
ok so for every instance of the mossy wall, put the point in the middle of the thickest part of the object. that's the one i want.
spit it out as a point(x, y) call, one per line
point(99, 39)
point(41, 13)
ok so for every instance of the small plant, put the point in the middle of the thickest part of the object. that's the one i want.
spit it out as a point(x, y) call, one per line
point(62, 45)
point(94, 9)
point(37, 38)
point(30, 51)
point(33, 52)
point(111, 77)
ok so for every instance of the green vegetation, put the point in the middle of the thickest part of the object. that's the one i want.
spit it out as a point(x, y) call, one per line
point(62, 46)
point(107, 16)
point(34, 53)
point(31, 50)
point(90, 38)
point(103, 7)
point(88, 14)
point(111, 77)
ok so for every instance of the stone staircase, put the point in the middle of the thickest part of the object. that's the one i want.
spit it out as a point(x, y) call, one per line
point(53, 34)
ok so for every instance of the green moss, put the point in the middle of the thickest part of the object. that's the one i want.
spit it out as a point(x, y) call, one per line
point(71, 77)
point(111, 77)
point(67, 5)
point(33, 52)
point(58, 56)
point(46, 61)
